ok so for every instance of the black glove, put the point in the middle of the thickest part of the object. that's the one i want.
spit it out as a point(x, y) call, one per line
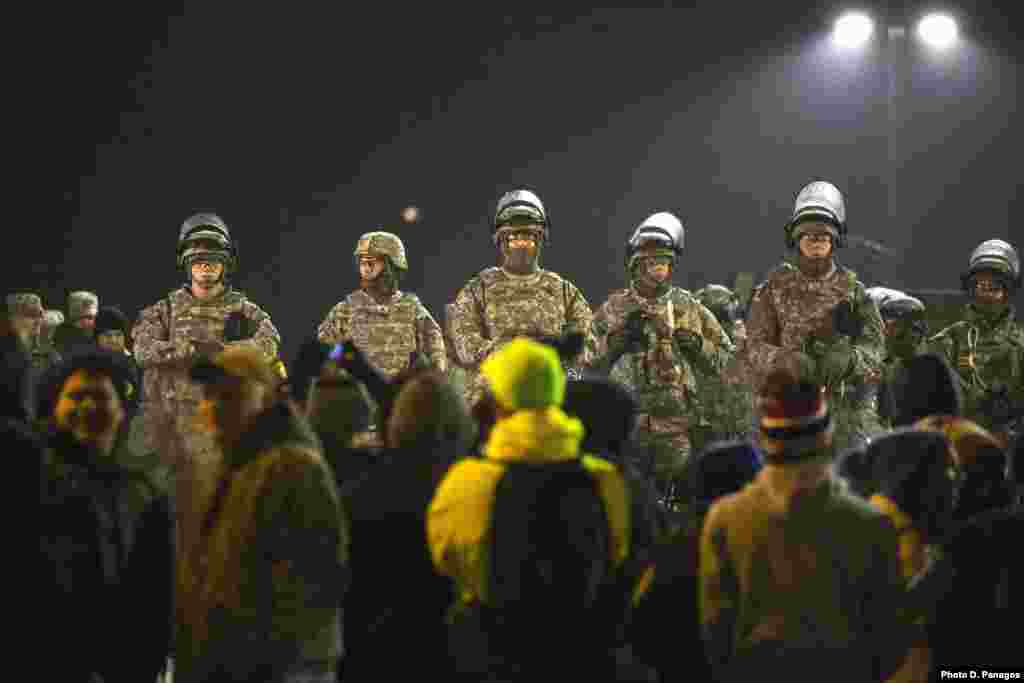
point(997, 405)
point(846, 321)
point(635, 331)
point(690, 342)
point(236, 327)
point(348, 357)
point(568, 346)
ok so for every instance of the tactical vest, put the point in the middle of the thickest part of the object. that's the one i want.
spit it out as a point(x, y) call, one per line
point(510, 306)
point(984, 356)
point(385, 333)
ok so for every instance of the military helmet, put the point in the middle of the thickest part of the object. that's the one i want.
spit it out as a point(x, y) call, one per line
point(524, 207)
point(207, 227)
point(996, 256)
point(384, 244)
point(663, 229)
point(720, 300)
point(818, 200)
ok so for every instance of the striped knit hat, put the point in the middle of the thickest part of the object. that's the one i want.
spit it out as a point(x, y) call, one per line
point(794, 418)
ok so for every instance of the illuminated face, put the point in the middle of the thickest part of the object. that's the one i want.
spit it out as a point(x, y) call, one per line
point(87, 322)
point(112, 340)
point(229, 405)
point(815, 241)
point(988, 289)
point(207, 273)
point(370, 267)
point(520, 244)
point(89, 408)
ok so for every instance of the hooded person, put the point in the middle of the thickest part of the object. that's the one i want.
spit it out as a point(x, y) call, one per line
point(107, 529)
point(915, 473)
point(533, 533)
point(262, 587)
point(396, 594)
point(677, 653)
point(769, 563)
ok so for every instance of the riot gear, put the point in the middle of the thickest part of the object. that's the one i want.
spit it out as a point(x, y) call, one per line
point(995, 256)
point(522, 207)
point(819, 200)
point(664, 230)
point(209, 228)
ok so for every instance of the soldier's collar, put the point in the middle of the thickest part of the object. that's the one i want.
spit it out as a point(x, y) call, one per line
point(657, 298)
point(994, 317)
point(520, 278)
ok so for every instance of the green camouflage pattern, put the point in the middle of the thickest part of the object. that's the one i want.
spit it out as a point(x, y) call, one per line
point(663, 380)
point(984, 349)
point(495, 307)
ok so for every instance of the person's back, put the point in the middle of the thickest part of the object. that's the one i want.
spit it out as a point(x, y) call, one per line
point(796, 573)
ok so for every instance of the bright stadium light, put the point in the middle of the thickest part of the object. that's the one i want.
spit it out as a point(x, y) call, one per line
point(938, 31)
point(853, 30)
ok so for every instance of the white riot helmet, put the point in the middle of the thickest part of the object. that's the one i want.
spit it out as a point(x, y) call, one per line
point(524, 207)
point(998, 257)
point(819, 200)
point(662, 229)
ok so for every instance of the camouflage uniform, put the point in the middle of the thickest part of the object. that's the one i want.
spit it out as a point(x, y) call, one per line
point(793, 312)
point(663, 381)
point(663, 377)
point(726, 399)
point(905, 340)
point(388, 334)
point(30, 306)
point(986, 348)
point(167, 337)
point(496, 306)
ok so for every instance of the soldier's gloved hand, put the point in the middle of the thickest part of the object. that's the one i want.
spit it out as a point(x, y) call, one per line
point(801, 365)
point(837, 363)
point(636, 331)
point(235, 327)
point(690, 342)
point(207, 348)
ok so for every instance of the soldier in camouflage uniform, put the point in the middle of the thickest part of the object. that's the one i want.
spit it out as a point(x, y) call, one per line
point(905, 327)
point(986, 348)
point(26, 315)
point(518, 298)
point(657, 340)
point(814, 318)
point(199, 319)
point(77, 331)
point(392, 328)
point(52, 319)
point(726, 399)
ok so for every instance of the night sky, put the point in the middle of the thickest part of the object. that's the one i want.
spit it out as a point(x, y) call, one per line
point(305, 128)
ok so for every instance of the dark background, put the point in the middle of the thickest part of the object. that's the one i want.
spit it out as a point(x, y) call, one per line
point(306, 128)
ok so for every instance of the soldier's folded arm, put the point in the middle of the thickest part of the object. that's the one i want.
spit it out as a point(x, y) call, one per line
point(717, 345)
point(335, 326)
point(151, 344)
point(266, 337)
point(471, 347)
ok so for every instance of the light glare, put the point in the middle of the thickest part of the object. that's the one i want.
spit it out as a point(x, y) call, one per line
point(937, 30)
point(853, 30)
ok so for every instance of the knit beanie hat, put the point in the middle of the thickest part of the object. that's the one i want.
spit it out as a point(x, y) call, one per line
point(924, 385)
point(721, 469)
point(82, 305)
point(111, 319)
point(525, 375)
point(794, 418)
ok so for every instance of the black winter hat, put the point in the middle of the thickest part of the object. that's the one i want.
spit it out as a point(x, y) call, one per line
point(721, 469)
point(111, 319)
point(607, 411)
point(925, 385)
point(913, 469)
point(308, 363)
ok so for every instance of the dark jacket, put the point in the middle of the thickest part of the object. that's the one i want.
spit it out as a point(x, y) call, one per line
point(69, 339)
point(396, 597)
point(107, 542)
point(267, 598)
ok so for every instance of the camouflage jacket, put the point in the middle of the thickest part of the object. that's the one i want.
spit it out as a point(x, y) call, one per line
point(661, 372)
point(790, 307)
point(163, 335)
point(984, 350)
point(386, 333)
point(495, 307)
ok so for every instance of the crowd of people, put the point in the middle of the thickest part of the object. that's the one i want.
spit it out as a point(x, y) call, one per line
point(672, 486)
